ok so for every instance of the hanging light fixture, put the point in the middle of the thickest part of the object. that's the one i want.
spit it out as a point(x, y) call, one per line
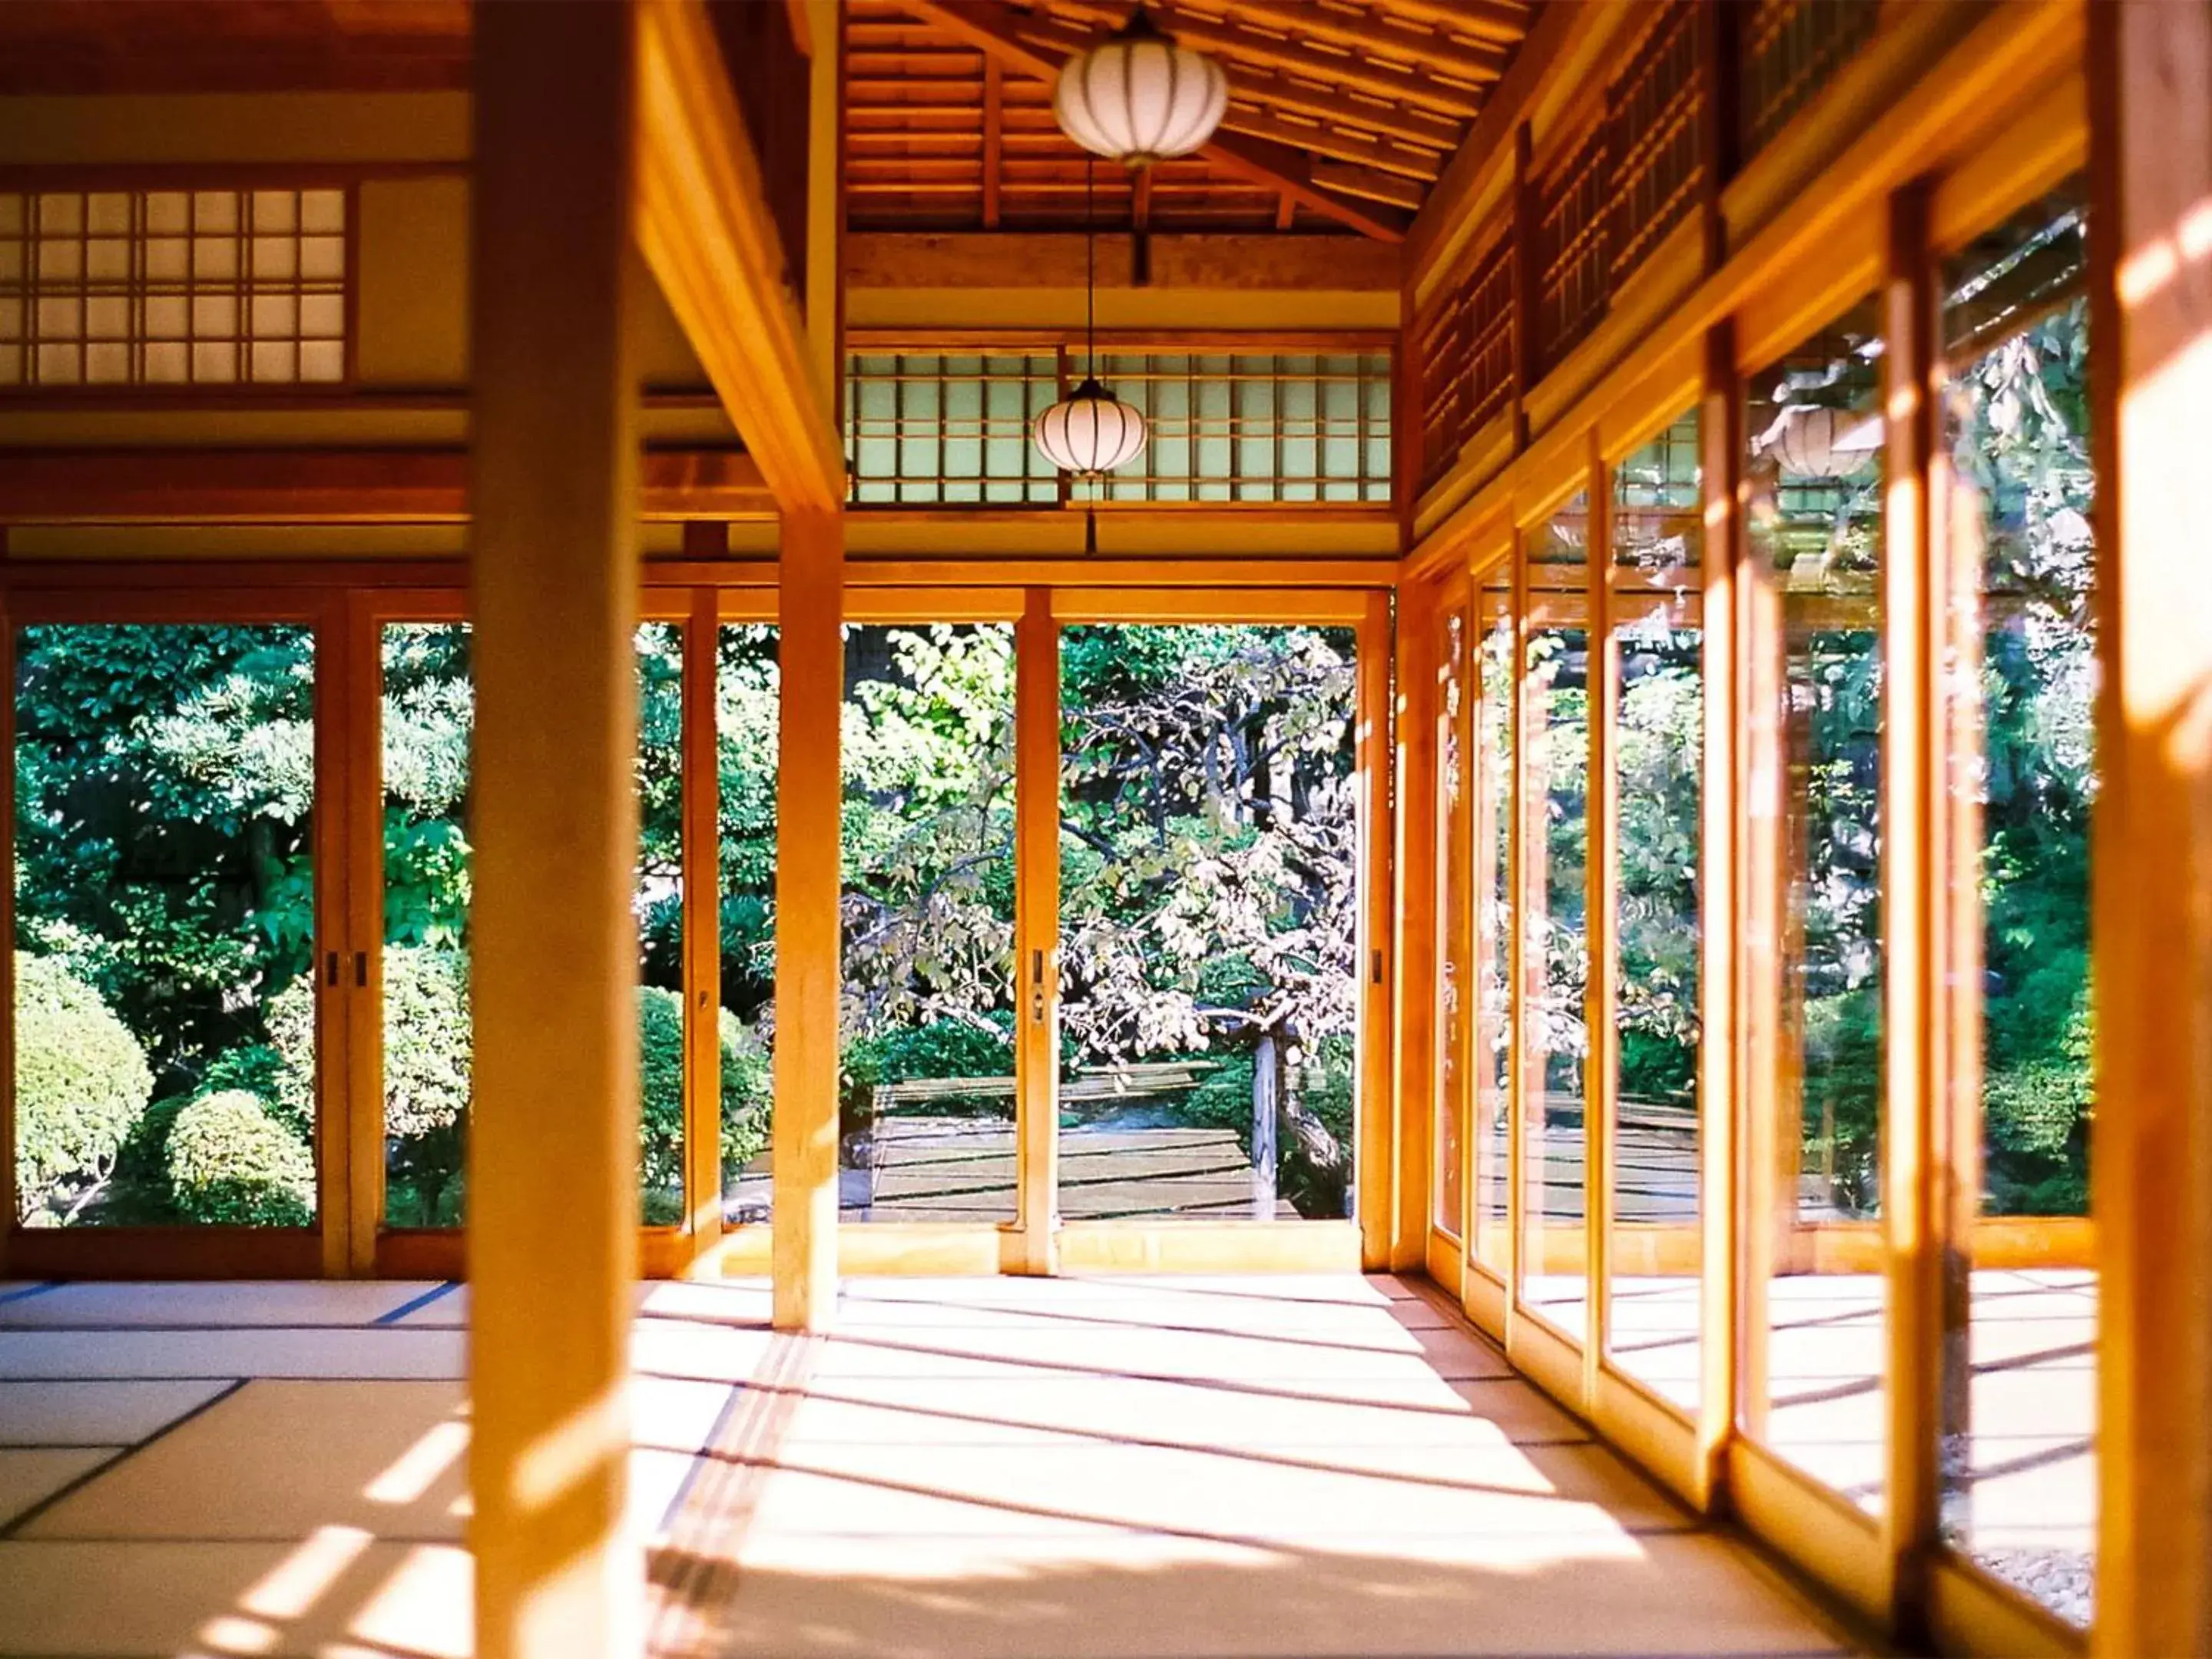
point(1139, 97)
point(1089, 432)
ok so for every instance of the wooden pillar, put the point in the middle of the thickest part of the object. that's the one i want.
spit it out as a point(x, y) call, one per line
point(1037, 968)
point(811, 581)
point(1371, 940)
point(553, 1142)
point(1720, 1058)
point(2150, 73)
point(1412, 1023)
point(1912, 870)
point(703, 927)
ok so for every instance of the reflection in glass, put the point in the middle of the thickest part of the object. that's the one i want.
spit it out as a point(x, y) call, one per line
point(1208, 893)
point(2019, 1463)
point(746, 701)
point(1493, 918)
point(927, 1115)
point(1554, 937)
point(1657, 661)
point(1454, 918)
point(1815, 1306)
point(165, 990)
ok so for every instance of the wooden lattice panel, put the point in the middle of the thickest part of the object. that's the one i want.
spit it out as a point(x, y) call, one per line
point(1465, 344)
point(1573, 272)
point(1654, 110)
point(1786, 49)
point(944, 428)
point(173, 287)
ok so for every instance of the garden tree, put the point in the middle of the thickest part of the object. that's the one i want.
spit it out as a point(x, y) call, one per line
point(81, 1083)
point(1209, 865)
point(927, 751)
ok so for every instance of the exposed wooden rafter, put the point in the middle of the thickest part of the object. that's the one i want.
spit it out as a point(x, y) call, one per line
point(1005, 33)
point(704, 225)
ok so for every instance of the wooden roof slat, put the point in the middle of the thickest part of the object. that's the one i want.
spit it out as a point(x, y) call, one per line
point(1411, 162)
point(1423, 49)
point(1336, 68)
point(1506, 21)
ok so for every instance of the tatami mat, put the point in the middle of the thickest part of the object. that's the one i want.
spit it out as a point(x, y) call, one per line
point(1146, 1594)
point(31, 1474)
point(1299, 1466)
point(81, 1414)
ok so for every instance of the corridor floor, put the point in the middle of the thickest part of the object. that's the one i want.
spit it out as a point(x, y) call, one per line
point(1126, 1466)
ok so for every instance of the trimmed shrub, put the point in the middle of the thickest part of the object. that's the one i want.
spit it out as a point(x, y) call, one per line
point(426, 1041)
point(231, 1161)
point(81, 1082)
point(660, 1126)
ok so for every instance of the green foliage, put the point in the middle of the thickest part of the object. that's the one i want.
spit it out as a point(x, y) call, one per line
point(232, 1161)
point(81, 1082)
point(745, 1095)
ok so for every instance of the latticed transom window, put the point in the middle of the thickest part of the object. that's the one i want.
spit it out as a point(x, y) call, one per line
point(173, 287)
point(938, 427)
point(1253, 425)
point(949, 429)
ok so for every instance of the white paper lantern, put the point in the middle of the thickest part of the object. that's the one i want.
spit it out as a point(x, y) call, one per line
point(1811, 444)
point(1140, 97)
point(1089, 432)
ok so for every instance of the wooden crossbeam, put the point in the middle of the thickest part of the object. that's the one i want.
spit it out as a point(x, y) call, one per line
point(706, 230)
point(1429, 51)
point(997, 29)
point(327, 486)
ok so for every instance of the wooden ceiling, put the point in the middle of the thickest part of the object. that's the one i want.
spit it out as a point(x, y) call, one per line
point(1342, 113)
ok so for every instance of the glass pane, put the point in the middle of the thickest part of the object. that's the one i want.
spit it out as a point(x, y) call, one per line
point(1208, 892)
point(1455, 933)
point(926, 1122)
point(1815, 1308)
point(2019, 1460)
point(1657, 664)
point(429, 719)
point(1555, 943)
point(165, 988)
point(746, 705)
point(660, 907)
point(1492, 881)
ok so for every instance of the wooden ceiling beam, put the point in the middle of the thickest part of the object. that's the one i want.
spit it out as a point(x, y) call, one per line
point(327, 486)
point(997, 29)
point(704, 225)
point(1370, 184)
point(995, 117)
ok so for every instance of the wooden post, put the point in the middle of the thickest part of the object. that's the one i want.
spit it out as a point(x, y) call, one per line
point(1266, 1088)
point(553, 1140)
point(808, 877)
point(2150, 102)
point(1720, 1059)
point(1414, 836)
point(1372, 1162)
point(1912, 870)
point(1601, 883)
point(333, 1128)
point(702, 928)
point(1036, 875)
